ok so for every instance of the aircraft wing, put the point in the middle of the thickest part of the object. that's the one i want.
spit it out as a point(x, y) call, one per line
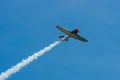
point(76, 36)
point(66, 31)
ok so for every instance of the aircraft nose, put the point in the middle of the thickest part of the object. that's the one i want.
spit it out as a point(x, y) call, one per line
point(77, 30)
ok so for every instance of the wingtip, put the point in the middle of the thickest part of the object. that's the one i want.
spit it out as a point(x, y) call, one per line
point(57, 26)
point(86, 41)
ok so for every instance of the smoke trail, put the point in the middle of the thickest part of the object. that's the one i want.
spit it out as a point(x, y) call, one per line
point(24, 62)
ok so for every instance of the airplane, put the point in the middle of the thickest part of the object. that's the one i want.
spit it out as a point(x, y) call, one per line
point(70, 34)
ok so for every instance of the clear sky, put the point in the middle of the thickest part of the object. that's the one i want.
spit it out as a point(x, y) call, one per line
point(27, 26)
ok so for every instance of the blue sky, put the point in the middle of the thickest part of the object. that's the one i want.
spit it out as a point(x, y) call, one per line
point(27, 26)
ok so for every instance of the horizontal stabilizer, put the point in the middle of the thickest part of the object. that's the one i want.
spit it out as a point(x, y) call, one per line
point(66, 39)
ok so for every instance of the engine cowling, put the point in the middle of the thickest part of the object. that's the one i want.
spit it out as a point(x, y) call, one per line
point(77, 30)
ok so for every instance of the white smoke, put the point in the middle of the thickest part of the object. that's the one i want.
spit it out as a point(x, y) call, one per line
point(24, 62)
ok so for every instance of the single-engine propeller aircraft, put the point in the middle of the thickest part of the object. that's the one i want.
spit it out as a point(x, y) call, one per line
point(70, 34)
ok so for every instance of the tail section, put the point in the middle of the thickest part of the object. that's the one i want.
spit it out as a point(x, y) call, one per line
point(66, 39)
